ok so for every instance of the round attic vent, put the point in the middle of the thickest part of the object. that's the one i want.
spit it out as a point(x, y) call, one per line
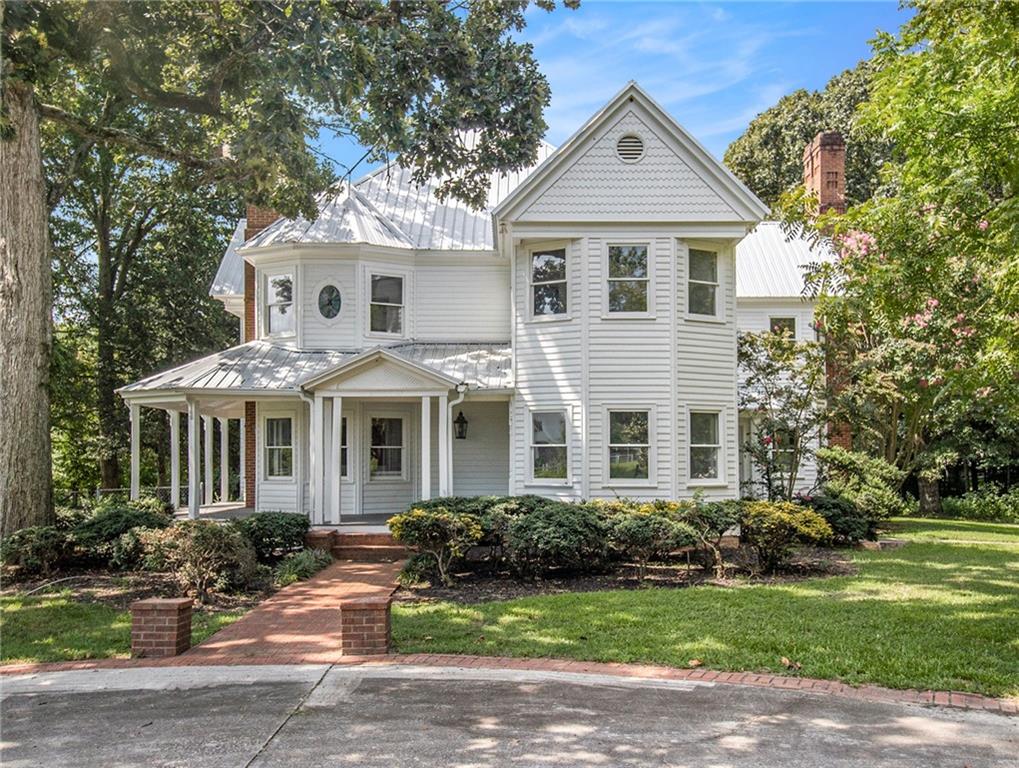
point(630, 148)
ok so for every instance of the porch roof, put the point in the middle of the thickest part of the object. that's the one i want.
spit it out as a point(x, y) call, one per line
point(259, 367)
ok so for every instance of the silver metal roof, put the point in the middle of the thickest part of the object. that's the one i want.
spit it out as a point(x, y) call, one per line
point(770, 265)
point(345, 216)
point(259, 366)
point(229, 279)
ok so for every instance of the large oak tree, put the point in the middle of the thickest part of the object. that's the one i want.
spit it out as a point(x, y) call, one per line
point(406, 79)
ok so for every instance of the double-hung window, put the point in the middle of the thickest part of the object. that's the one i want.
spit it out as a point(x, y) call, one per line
point(783, 442)
point(705, 445)
point(629, 445)
point(386, 304)
point(548, 282)
point(702, 286)
point(783, 325)
point(549, 454)
point(279, 448)
point(628, 278)
point(386, 447)
point(279, 304)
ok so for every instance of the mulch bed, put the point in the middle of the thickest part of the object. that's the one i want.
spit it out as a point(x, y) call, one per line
point(118, 589)
point(481, 587)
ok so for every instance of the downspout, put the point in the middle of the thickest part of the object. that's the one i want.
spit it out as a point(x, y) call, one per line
point(311, 481)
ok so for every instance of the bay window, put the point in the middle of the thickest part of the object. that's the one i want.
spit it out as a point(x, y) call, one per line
point(279, 304)
point(386, 304)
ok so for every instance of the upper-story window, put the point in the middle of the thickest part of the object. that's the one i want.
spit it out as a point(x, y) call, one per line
point(386, 305)
point(548, 282)
point(279, 304)
point(780, 325)
point(628, 278)
point(702, 287)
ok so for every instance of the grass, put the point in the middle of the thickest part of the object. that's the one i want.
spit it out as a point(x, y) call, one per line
point(56, 628)
point(941, 612)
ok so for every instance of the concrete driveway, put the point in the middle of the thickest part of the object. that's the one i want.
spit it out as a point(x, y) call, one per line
point(397, 716)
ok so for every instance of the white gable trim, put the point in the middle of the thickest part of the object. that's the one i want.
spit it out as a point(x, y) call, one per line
point(418, 378)
point(747, 206)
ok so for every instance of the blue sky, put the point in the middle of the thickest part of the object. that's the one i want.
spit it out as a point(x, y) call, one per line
point(714, 66)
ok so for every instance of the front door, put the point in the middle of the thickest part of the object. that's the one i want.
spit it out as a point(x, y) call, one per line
point(389, 474)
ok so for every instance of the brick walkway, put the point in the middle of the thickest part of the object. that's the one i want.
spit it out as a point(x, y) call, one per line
point(300, 624)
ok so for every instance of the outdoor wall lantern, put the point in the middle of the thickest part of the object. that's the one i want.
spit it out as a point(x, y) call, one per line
point(460, 426)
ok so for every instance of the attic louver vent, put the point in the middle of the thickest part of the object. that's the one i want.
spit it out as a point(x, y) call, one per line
point(630, 148)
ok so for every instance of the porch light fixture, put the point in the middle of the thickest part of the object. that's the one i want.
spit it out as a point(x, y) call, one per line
point(460, 426)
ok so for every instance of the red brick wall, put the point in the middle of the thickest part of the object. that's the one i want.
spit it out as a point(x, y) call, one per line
point(364, 626)
point(824, 171)
point(249, 303)
point(160, 627)
point(250, 467)
point(258, 219)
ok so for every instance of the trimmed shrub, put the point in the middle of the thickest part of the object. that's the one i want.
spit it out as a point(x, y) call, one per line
point(462, 505)
point(95, 538)
point(772, 528)
point(872, 484)
point(419, 569)
point(298, 566)
point(710, 521)
point(558, 535)
point(204, 557)
point(987, 505)
point(274, 534)
point(444, 535)
point(38, 549)
point(643, 537)
point(848, 524)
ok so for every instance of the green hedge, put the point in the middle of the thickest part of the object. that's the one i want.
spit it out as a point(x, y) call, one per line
point(988, 505)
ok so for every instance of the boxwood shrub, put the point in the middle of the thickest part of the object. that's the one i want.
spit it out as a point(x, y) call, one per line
point(558, 535)
point(274, 534)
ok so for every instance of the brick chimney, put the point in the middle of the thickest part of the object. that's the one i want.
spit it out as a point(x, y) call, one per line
point(824, 171)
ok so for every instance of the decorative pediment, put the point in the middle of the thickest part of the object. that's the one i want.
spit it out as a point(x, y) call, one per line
point(379, 371)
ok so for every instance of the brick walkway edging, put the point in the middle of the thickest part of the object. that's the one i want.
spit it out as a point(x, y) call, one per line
point(952, 699)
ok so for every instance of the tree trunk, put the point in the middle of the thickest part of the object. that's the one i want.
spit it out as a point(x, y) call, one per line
point(26, 480)
point(930, 497)
point(111, 432)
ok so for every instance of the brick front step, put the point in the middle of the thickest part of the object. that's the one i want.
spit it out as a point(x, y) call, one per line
point(351, 539)
point(370, 553)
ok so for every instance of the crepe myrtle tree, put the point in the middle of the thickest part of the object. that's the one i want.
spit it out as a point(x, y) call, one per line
point(783, 387)
point(408, 80)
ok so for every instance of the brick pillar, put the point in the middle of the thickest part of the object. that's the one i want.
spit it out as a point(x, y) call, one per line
point(250, 467)
point(160, 627)
point(364, 626)
point(249, 303)
point(824, 171)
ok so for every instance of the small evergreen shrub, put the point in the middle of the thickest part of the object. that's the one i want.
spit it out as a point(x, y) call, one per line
point(848, 524)
point(987, 505)
point(274, 534)
point(558, 535)
point(35, 550)
point(298, 566)
point(772, 528)
point(420, 568)
point(710, 521)
point(69, 518)
point(867, 481)
point(444, 535)
point(203, 557)
point(649, 536)
point(95, 538)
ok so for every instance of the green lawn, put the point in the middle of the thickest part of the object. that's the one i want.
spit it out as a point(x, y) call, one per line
point(56, 628)
point(941, 612)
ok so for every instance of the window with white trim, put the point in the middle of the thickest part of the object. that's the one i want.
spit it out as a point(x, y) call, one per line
point(549, 452)
point(783, 442)
point(344, 466)
point(628, 278)
point(385, 306)
point(705, 445)
point(548, 282)
point(629, 445)
point(702, 283)
point(386, 451)
point(279, 447)
point(781, 325)
point(279, 304)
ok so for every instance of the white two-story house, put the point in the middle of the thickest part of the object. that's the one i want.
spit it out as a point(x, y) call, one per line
point(574, 339)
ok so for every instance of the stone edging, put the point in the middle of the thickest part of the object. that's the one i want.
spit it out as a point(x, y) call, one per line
point(952, 699)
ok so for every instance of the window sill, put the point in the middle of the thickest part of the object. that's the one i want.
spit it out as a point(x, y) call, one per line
point(542, 319)
point(707, 319)
point(628, 316)
point(630, 484)
point(384, 480)
point(279, 480)
point(385, 336)
point(707, 484)
point(549, 484)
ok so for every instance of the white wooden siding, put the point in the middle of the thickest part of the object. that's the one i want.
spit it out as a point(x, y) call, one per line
point(341, 332)
point(272, 494)
point(481, 462)
point(468, 302)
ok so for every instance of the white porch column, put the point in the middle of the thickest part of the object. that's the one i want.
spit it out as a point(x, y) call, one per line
point(174, 459)
point(426, 447)
point(444, 445)
point(316, 464)
point(224, 460)
point(136, 439)
point(334, 469)
point(194, 448)
point(243, 468)
point(207, 425)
